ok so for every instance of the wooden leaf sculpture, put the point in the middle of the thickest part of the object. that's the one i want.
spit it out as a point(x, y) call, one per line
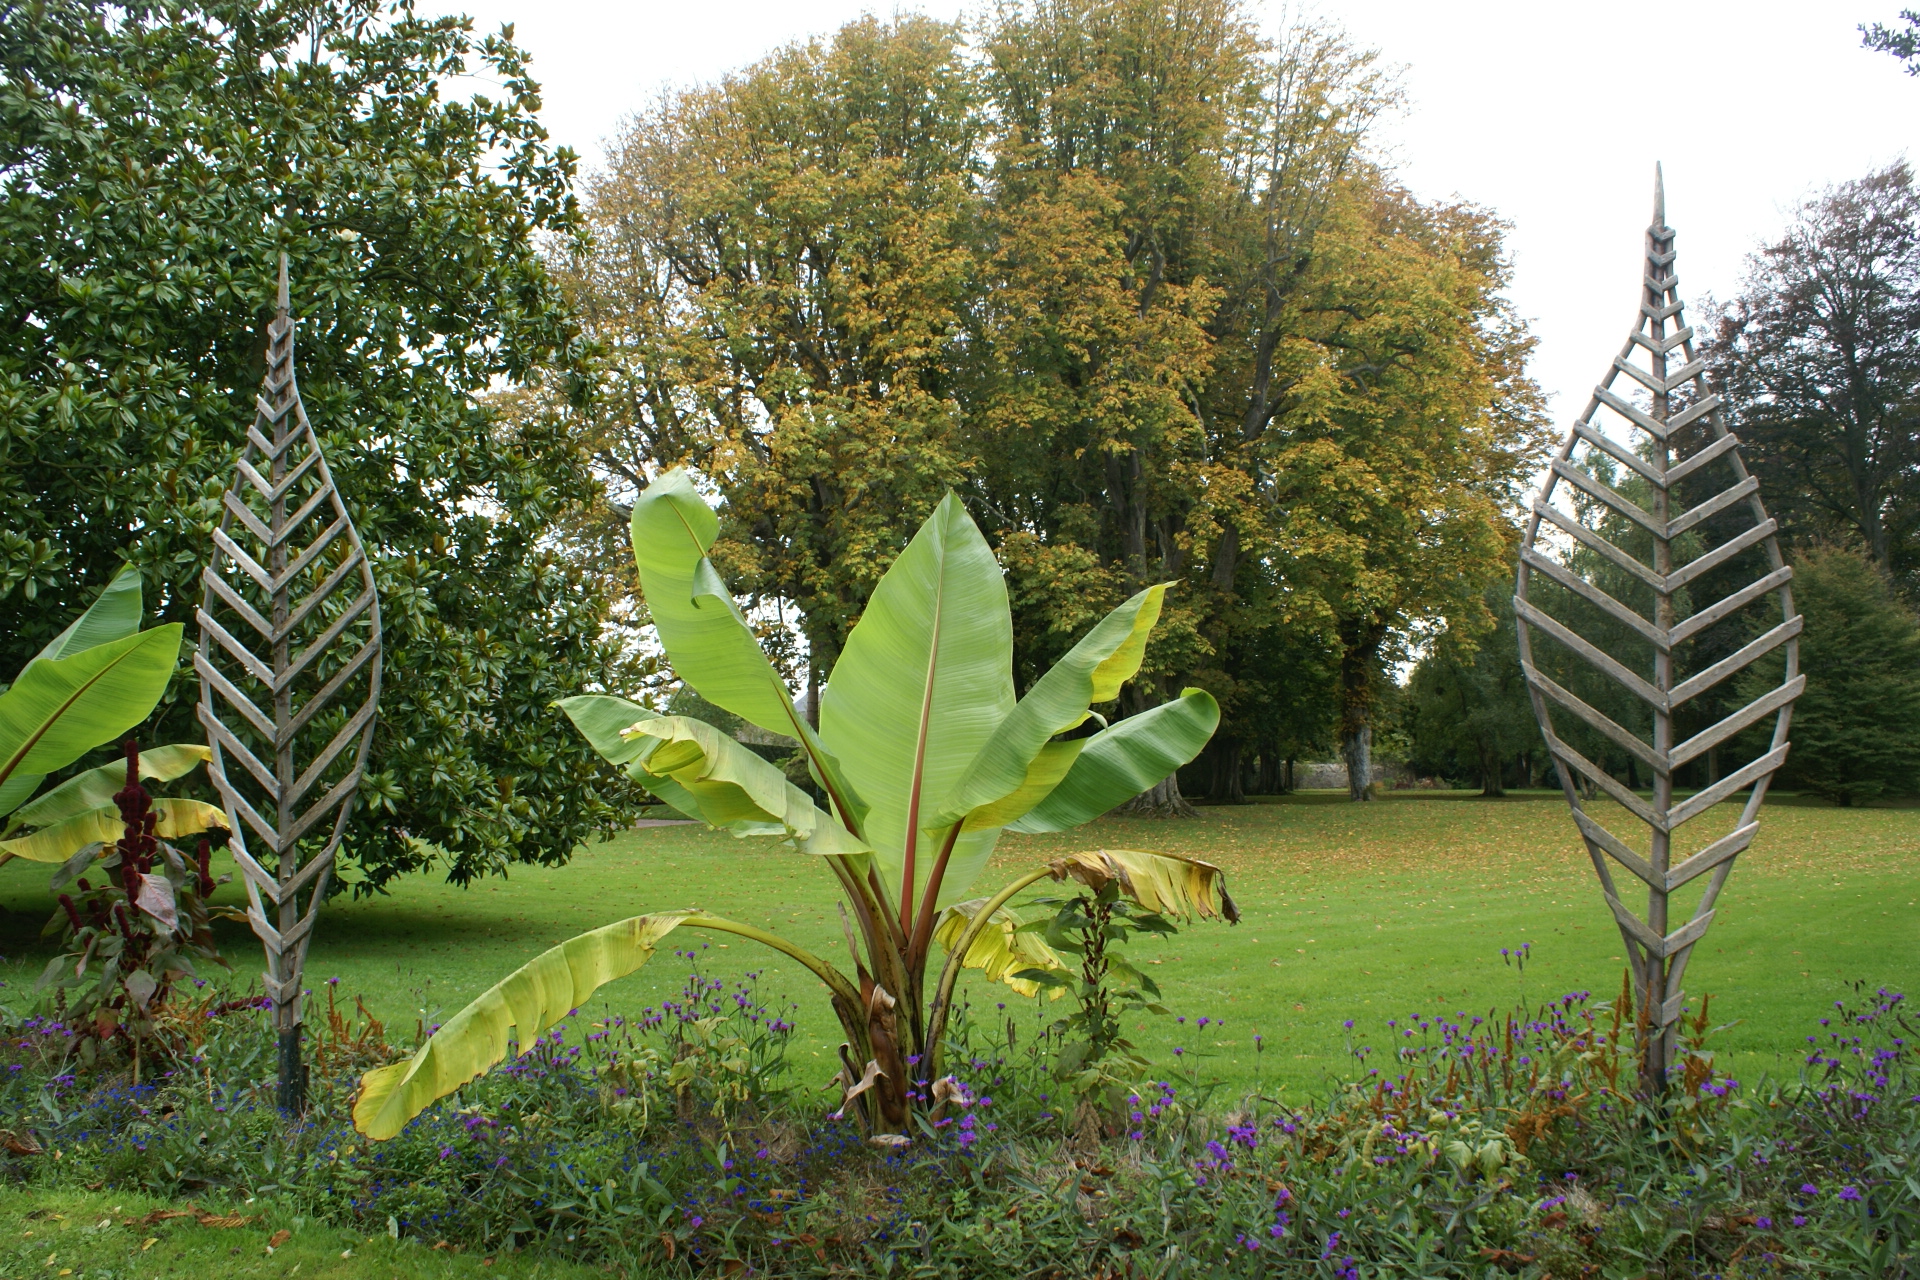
point(289, 667)
point(1657, 632)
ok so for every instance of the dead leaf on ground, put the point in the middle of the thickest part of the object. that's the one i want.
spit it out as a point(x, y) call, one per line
point(18, 1144)
point(279, 1238)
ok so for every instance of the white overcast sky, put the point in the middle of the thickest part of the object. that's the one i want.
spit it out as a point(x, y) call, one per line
point(1551, 114)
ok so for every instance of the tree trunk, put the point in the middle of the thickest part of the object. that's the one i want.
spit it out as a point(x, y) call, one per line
point(1286, 778)
point(1225, 785)
point(1360, 647)
point(1490, 767)
point(1358, 748)
point(1270, 782)
point(1161, 800)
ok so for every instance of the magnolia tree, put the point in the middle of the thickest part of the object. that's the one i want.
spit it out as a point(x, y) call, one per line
point(924, 756)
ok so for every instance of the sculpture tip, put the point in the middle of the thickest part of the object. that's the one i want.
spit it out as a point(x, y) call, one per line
point(284, 300)
point(1659, 197)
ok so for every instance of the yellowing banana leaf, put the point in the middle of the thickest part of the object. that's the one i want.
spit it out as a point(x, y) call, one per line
point(1125, 759)
point(530, 999)
point(710, 645)
point(96, 787)
point(1092, 671)
point(1049, 765)
point(1162, 882)
point(925, 678)
point(61, 708)
point(999, 950)
point(731, 786)
point(57, 843)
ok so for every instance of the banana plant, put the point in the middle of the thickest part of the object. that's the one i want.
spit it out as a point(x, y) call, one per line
point(92, 683)
point(923, 755)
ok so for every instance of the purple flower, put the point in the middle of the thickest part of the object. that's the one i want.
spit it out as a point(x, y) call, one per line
point(1799, 1220)
point(1850, 1194)
point(1764, 1223)
point(1808, 1189)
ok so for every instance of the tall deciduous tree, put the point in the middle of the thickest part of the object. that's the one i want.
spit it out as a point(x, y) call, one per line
point(154, 161)
point(1819, 358)
point(782, 279)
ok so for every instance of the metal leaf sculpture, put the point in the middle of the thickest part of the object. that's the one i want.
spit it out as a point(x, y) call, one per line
point(1652, 587)
point(289, 667)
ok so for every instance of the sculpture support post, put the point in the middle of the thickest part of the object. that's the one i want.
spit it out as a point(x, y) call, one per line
point(1621, 538)
point(287, 573)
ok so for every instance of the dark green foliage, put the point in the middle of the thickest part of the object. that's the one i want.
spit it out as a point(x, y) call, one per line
point(1902, 42)
point(1468, 714)
point(1095, 927)
point(153, 162)
point(1856, 729)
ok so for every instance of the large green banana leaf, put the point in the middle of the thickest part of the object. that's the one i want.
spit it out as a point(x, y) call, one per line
point(178, 818)
point(115, 613)
point(999, 950)
point(1092, 671)
point(61, 708)
point(97, 787)
point(732, 787)
point(530, 999)
point(1125, 759)
point(710, 645)
point(924, 680)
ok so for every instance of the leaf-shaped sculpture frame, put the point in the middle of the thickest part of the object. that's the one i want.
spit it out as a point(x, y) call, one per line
point(289, 574)
point(1672, 404)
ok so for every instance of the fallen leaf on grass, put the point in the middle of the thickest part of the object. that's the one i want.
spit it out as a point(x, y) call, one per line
point(279, 1238)
point(148, 1243)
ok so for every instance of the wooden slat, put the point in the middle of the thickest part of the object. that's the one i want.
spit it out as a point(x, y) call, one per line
point(1712, 506)
point(1686, 935)
point(1593, 595)
point(1699, 408)
point(1637, 927)
point(1718, 449)
point(1734, 662)
point(239, 511)
point(1651, 383)
point(214, 681)
point(305, 657)
point(1738, 780)
point(325, 694)
point(246, 563)
point(1720, 555)
point(239, 652)
point(314, 551)
point(1618, 452)
point(1621, 737)
point(1607, 494)
point(1605, 781)
point(1744, 596)
point(1753, 712)
point(232, 745)
point(347, 735)
point(1627, 679)
point(1627, 410)
point(1682, 376)
point(321, 594)
point(1615, 848)
point(1594, 542)
point(324, 806)
point(236, 602)
point(1730, 845)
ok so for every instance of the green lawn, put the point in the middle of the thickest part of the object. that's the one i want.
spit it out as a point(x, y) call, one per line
point(1364, 912)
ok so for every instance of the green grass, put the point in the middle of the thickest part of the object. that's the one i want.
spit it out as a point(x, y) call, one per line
point(1364, 912)
point(102, 1235)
